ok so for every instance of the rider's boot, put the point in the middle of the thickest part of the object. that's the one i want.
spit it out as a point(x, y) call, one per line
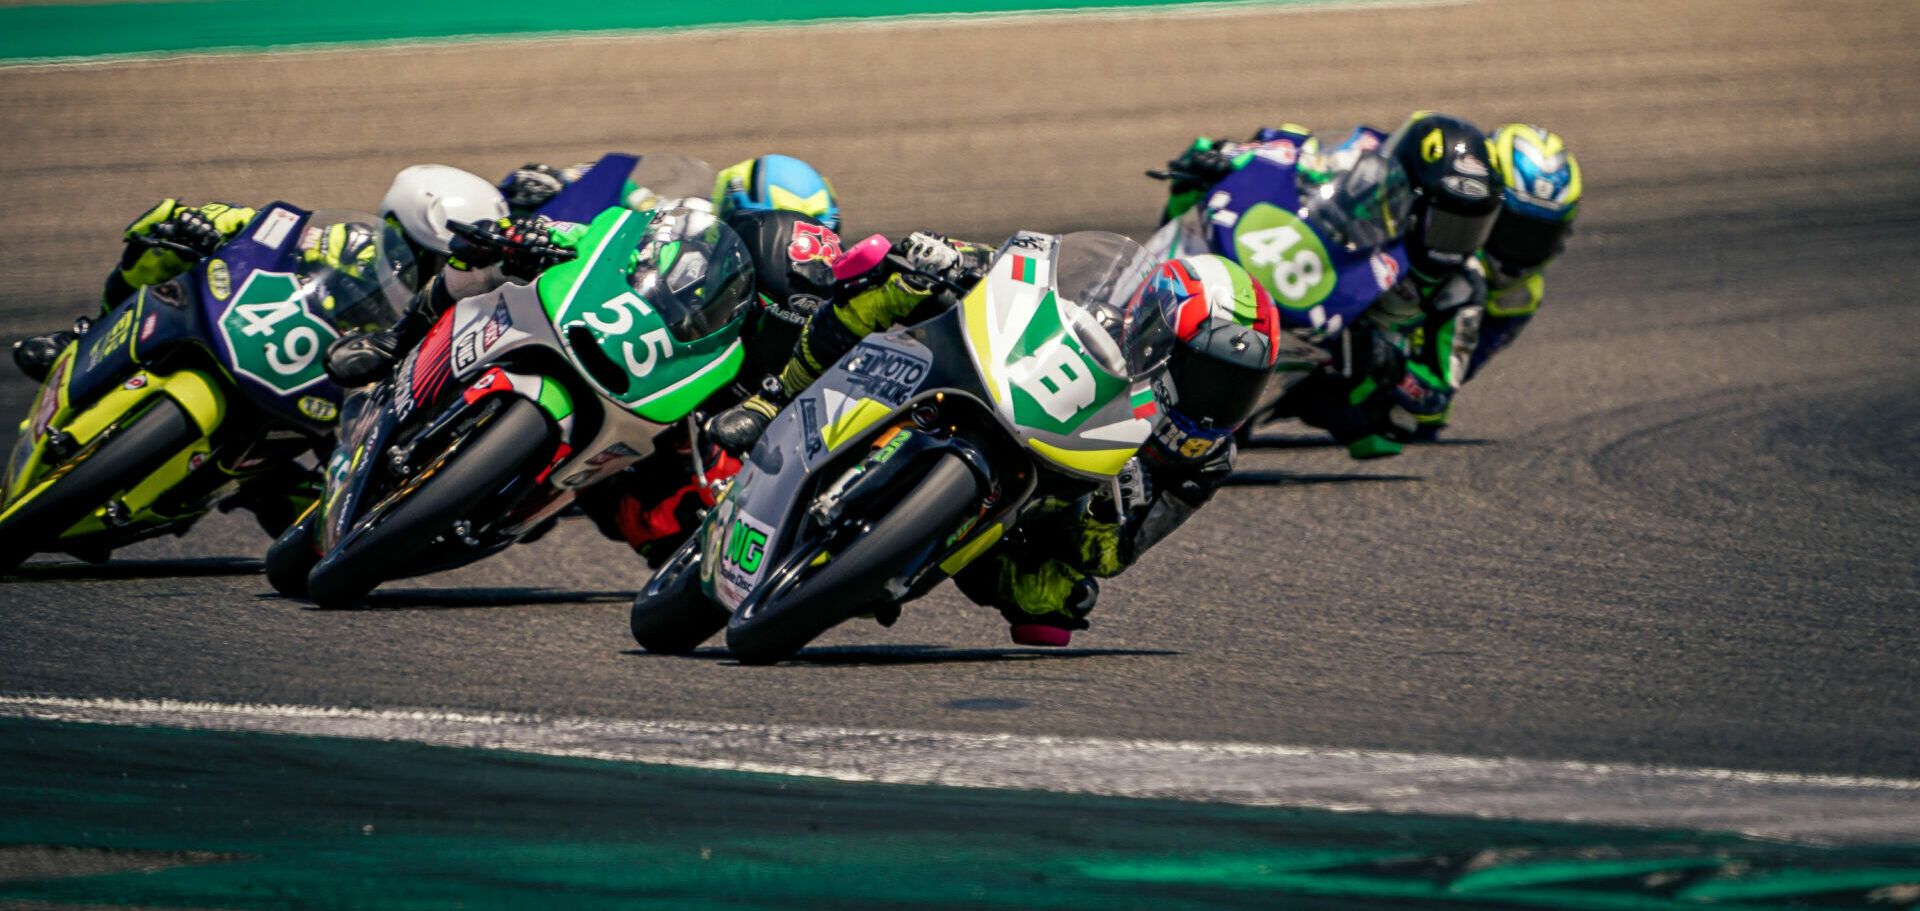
point(35, 356)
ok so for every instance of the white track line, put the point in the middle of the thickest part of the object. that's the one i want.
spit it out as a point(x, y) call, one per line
point(1812, 808)
point(1220, 9)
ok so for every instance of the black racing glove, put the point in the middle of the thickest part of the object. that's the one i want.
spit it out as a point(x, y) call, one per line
point(1199, 168)
point(522, 246)
point(360, 358)
point(189, 228)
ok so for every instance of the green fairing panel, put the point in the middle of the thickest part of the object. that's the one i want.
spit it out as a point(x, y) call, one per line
point(670, 376)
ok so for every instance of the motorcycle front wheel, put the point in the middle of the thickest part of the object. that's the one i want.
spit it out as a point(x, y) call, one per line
point(850, 584)
point(672, 616)
point(486, 462)
point(121, 461)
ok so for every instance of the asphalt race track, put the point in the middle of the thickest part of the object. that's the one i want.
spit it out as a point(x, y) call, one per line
point(1679, 524)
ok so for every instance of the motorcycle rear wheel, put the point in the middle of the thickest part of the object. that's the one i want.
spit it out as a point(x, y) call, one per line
point(848, 585)
point(499, 451)
point(671, 615)
point(136, 449)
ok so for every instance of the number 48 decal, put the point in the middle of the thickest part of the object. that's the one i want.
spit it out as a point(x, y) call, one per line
point(1284, 254)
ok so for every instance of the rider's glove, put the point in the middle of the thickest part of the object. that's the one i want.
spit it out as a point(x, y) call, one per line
point(530, 249)
point(1200, 167)
point(189, 228)
point(532, 186)
point(359, 358)
point(930, 257)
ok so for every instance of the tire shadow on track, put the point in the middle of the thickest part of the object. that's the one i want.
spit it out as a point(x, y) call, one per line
point(895, 655)
point(466, 598)
point(136, 569)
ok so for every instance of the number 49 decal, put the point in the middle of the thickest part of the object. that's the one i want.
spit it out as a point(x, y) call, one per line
point(274, 340)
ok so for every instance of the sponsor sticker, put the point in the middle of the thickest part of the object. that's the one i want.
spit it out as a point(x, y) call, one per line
point(115, 337)
point(495, 327)
point(1386, 270)
point(811, 241)
point(196, 460)
point(743, 552)
point(466, 351)
point(50, 398)
point(219, 280)
point(148, 325)
point(136, 381)
point(1282, 151)
point(1470, 166)
point(274, 228)
point(318, 408)
point(883, 374)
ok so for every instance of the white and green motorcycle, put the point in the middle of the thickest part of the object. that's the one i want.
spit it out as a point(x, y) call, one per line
point(519, 398)
point(919, 450)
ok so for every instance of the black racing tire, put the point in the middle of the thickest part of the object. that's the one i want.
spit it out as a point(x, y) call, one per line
point(671, 615)
point(497, 452)
point(293, 555)
point(133, 451)
point(784, 622)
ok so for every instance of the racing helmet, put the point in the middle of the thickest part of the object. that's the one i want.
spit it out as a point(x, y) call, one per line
point(776, 182)
point(693, 271)
point(425, 197)
point(1457, 198)
point(356, 268)
point(1542, 183)
point(1226, 332)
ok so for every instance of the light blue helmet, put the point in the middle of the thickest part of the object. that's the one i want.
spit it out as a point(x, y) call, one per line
point(776, 182)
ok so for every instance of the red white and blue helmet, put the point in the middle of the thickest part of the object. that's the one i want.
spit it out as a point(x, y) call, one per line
point(1226, 340)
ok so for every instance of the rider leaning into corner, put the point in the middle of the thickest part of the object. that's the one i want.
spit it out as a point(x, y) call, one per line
point(787, 257)
point(166, 240)
point(1421, 331)
point(1542, 182)
point(1226, 331)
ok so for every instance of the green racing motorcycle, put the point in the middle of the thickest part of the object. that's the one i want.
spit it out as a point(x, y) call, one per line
point(521, 397)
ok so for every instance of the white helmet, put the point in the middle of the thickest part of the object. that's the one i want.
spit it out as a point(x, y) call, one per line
point(425, 197)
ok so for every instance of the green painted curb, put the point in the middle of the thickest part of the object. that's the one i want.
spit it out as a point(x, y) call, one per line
point(87, 31)
point(144, 817)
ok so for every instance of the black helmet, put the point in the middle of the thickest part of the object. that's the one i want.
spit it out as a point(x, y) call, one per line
point(1448, 161)
point(1226, 332)
point(792, 252)
point(694, 271)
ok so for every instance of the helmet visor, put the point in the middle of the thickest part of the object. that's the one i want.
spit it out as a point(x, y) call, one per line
point(1519, 243)
point(1212, 393)
point(1456, 233)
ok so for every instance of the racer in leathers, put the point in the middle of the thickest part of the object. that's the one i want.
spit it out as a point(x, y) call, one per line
point(655, 503)
point(1407, 355)
point(1542, 197)
point(1042, 578)
point(166, 240)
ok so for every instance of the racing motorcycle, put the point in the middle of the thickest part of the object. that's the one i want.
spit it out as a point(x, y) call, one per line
point(1321, 231)
point(519, 398)
point(198, 388)
point(919, 451)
